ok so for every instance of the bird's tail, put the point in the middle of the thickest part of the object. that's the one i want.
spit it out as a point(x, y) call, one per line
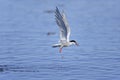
point(56, 45)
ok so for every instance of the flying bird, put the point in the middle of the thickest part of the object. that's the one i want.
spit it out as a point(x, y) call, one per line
point(64, 27)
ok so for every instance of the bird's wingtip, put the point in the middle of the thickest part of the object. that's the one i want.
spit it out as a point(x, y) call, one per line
point(56, 7)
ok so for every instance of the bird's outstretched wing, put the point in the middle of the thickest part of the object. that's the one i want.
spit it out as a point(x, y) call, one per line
point(63, 25)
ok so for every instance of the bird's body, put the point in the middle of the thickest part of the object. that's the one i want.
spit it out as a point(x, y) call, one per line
point(64, 30)
point(62, 44)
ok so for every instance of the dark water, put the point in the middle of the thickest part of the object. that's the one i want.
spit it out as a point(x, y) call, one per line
point(28, 29)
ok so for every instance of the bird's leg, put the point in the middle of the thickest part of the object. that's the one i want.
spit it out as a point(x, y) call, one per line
point(60, 50)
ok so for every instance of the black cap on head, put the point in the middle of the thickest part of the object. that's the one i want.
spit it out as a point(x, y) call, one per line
point(72, 41)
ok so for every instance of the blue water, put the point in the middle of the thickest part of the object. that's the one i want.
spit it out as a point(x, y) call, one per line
point(28, 29)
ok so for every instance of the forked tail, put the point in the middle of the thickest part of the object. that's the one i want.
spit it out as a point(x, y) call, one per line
point(56, 45)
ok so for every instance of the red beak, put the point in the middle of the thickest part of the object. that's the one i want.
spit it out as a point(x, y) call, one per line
point(77, 44)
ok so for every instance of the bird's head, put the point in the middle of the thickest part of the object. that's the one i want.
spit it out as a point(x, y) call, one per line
point(74, 42)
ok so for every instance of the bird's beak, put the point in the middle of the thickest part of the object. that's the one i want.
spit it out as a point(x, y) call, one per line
point(77, 44)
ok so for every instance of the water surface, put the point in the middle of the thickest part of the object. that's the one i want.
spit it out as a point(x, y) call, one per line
point(25, 40)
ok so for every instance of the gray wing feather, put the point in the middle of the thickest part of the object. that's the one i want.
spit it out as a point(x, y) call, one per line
point(63, 25)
